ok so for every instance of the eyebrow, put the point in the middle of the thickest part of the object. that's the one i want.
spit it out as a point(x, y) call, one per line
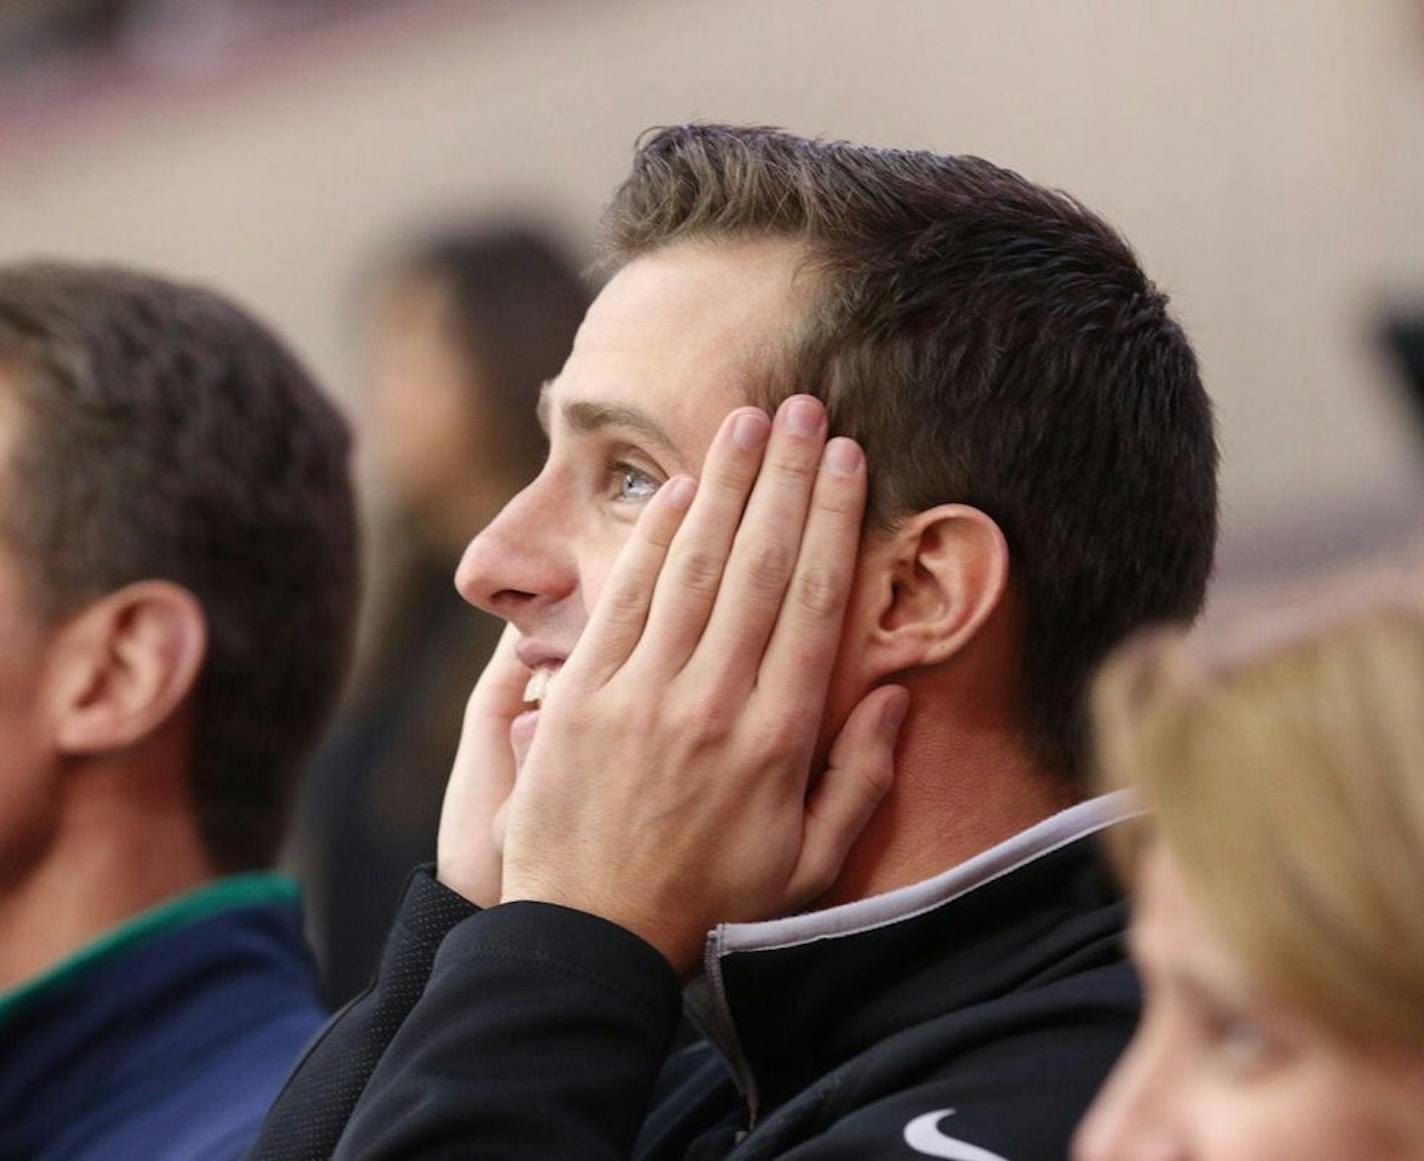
point(584, 416)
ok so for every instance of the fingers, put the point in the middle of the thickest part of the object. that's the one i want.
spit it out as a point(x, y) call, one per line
point(764, 553)
point(622, 610)
point(860, 772)
point(688, 585)
point(798, 660)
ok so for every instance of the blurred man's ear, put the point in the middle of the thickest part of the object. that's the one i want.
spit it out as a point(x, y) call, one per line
point(124, 665)
point(932, 583)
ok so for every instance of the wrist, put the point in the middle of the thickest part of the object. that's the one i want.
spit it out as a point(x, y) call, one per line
point(680, 946)
point(475, 886)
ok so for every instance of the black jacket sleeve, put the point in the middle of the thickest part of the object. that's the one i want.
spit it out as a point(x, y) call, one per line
point(311, 1111)
point(321, 1093)
point(525, 1031)
point(539, 1035)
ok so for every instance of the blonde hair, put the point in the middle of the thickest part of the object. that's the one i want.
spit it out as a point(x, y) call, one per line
point(1283, 763)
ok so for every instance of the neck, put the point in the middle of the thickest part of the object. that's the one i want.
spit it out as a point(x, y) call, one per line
point(113, 854)
point(961, 786)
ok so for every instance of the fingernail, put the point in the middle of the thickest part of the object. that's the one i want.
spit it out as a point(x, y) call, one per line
point(680, 491)
point(749, 430)
point(894, 713)
point(842, 456)
point(803, 416)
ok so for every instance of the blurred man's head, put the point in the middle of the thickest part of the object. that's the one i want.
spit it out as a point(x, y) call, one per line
point(177, 550)
point(1042, 457)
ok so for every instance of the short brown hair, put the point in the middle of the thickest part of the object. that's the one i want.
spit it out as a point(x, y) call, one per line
point(988, 342)
point(169, 435)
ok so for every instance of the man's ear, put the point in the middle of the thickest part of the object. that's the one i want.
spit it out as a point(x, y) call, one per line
point(935, 580)
point(125, 664)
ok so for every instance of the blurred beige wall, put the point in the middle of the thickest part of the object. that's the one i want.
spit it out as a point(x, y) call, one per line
point(1266, 158)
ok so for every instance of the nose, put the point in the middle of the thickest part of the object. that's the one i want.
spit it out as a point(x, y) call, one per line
point(519, 563)
point(1133, 1117)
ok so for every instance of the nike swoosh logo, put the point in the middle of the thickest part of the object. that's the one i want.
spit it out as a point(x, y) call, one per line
point(923, 1136)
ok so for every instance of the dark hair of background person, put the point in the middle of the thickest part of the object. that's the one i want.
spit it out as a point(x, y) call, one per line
point(988, 342)
point(515, 301)
point(167, 435)
point(509, 303)
point(1404, 336)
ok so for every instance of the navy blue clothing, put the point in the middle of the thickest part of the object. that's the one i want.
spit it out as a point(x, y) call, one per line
point(170, 1042)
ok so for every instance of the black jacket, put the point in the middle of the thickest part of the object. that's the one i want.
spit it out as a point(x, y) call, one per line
point(971, 1016)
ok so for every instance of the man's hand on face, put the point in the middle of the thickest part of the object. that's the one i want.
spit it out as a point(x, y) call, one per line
point(667, 786)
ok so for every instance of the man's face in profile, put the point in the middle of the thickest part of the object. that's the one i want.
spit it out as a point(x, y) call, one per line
point(672, 344)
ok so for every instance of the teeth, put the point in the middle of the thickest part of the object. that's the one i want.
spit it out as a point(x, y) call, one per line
point(539, 683)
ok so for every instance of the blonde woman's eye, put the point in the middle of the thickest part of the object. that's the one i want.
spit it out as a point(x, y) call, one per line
point(1242, 1043)
point(633, 485)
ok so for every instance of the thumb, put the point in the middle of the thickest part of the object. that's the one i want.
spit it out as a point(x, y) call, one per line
point(860, 770)
point(498, 695)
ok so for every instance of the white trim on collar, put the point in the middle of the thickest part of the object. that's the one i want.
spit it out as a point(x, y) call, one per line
point(1053, 833)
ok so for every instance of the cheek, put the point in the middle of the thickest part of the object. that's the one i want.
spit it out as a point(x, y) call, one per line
point(1294, 1118)
point(438, 416)
point(596, 558)
point(424, 439)
point(29, 802)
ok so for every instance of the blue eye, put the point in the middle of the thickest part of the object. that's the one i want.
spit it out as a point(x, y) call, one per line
point(633, 485)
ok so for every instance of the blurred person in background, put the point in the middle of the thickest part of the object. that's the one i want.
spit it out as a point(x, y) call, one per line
point(178, 584)
point(1277, 884)
point(460, 333)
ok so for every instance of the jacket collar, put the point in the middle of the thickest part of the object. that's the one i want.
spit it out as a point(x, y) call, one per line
point(787, 1000)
